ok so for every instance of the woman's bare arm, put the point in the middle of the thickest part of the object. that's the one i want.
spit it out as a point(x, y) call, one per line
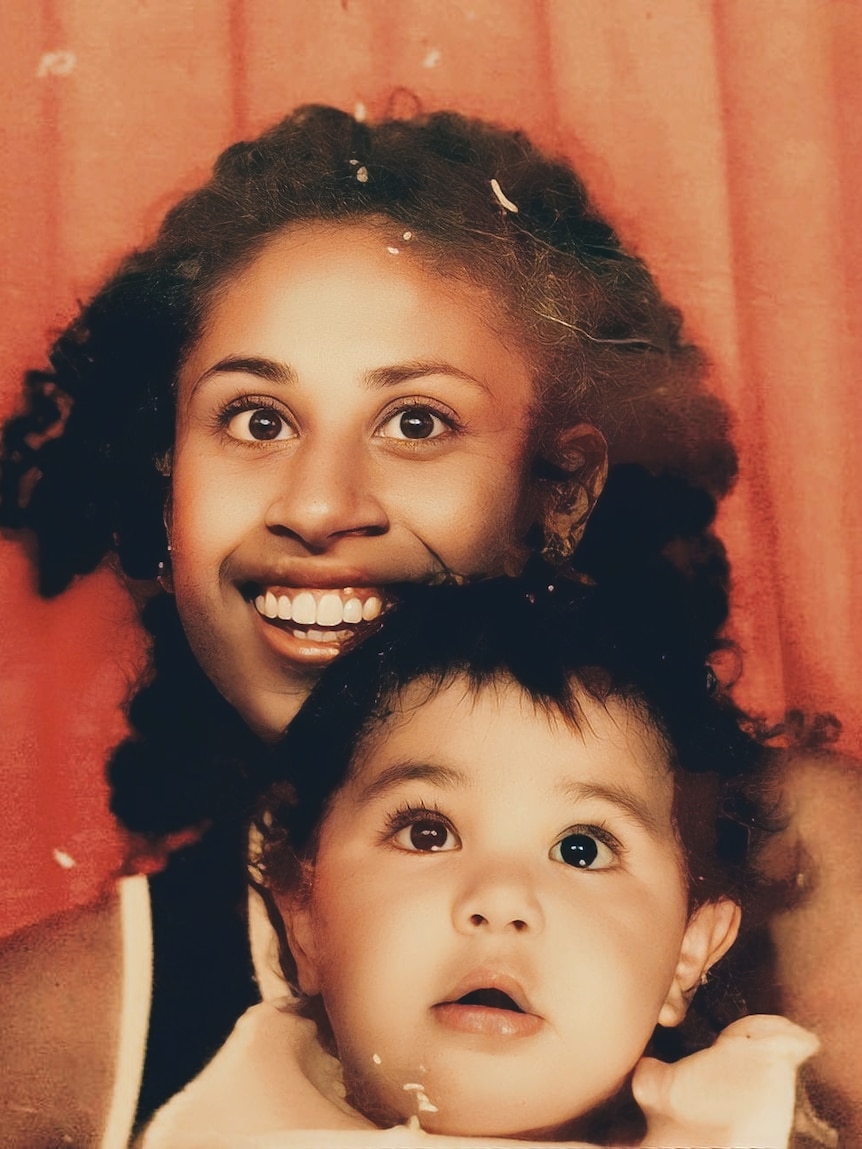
point(61, 985)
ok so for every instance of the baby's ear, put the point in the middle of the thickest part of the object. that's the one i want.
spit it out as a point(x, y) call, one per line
point(710, 933)
point(296, 913)
point(578, 466)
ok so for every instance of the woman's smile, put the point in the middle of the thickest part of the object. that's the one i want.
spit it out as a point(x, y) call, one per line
point(347, 420)
point(311, 625)
point(322, 608)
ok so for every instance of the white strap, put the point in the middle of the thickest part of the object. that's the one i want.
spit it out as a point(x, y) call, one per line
point(137, 991)
point(264, 950)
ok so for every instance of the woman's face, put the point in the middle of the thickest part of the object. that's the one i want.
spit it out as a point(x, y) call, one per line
point(347, 419)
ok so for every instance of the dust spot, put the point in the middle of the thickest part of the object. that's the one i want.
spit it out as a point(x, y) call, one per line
point(60, 63)
point(63, 859)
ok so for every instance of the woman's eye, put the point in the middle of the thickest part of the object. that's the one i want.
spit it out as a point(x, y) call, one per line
point(262, 425)
point(584, 851)
point(426, 835)
point(414, 423)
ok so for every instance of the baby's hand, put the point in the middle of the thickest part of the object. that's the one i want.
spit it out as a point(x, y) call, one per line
point(740, 1091)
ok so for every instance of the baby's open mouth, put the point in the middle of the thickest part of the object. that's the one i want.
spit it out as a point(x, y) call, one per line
point(318, 614)
point(488, 1011)
point(490, 999)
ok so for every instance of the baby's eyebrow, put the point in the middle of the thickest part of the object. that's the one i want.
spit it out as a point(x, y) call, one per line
point(444, 777)
point(627, 801)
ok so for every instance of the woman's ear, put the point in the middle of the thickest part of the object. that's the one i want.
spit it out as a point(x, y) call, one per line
point(710, 933)
point(578, 467)
point(296, 913)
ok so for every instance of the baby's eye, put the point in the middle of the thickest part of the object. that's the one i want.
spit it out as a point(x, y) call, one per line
point(426, 835)
point(262, 424)
point(414, 423)
point(586, 850)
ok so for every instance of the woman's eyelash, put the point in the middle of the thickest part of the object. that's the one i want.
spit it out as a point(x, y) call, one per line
point(244, 403)
point(405, 406)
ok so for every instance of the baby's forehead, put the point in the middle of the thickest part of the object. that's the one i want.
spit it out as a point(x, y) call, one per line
point(584, 719)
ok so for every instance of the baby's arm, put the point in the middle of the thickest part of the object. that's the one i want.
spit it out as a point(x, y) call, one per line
point(740, 1091)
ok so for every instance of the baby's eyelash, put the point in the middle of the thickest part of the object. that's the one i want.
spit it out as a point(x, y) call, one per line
point(600, 832)
point(407, 814)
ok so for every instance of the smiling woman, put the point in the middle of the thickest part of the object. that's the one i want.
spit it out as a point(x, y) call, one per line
point(348, 420)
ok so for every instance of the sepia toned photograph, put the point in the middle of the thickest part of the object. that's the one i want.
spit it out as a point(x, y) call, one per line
point(430, 543)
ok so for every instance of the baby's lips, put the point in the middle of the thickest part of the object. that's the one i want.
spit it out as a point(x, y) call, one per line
point(773, 1034)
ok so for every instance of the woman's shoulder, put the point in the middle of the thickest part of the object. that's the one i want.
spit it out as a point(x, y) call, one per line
point(818, 807)
point(64, 996)
point(811, 915)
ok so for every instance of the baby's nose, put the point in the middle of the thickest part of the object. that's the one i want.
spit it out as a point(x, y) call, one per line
point(499, 901)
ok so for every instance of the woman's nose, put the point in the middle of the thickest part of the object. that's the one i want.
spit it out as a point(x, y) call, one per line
point(326, 492)
point(499, 899)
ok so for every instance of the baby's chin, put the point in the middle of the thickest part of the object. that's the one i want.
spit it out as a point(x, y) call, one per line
point(465, 1114)
point(442, 1105)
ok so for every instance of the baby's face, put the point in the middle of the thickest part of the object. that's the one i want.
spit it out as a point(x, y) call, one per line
point(348, 419)
point(497, 911)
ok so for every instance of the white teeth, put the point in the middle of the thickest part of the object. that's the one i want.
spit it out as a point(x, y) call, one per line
point(304, 608)
point(352, 610)
point(329, 610)
point(299, 633)
point(371, 608)
point(322, 635)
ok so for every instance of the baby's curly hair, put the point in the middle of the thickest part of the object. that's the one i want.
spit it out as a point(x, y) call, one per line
point(558, 642)
point(81, 466)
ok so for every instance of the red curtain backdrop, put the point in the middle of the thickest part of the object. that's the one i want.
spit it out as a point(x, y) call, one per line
point(724, 139)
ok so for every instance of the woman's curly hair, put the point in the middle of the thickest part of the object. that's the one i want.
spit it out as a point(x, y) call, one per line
point(83, 466)
point(80, 466)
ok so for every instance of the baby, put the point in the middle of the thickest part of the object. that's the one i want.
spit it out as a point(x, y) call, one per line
point(508, 843)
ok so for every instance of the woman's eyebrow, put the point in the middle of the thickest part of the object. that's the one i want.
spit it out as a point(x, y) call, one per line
point(629, 803)
point(417, 369)
point(273, 371)
point(269, 370)
point(443, 777)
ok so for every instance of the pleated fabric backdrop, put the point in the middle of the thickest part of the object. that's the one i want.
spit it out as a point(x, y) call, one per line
point(725, 141)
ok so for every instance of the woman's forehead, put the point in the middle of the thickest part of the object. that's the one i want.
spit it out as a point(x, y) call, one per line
point(373, 250)
point(317, 289)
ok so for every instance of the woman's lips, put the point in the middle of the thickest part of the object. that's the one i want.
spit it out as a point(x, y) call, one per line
point(310, 625)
